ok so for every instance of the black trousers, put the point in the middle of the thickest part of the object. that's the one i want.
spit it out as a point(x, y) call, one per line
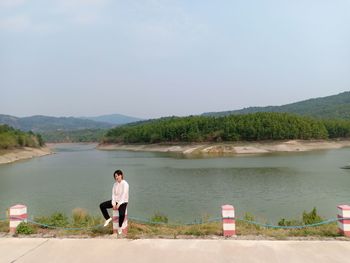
point(108, 204)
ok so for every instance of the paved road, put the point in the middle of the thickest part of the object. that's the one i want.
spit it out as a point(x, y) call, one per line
point(165, 250)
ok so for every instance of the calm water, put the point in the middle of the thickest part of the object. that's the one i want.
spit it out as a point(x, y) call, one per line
point(268, 186)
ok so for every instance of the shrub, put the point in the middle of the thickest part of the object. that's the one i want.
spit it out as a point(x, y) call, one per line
point(285, 222)
point(25, 228)
point(307, 219)
point(311, 217)
point(159, 218)
point(248, 216)
point(57, 219)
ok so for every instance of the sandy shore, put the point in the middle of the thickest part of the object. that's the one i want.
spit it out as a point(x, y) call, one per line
point(10, 156)
point(235, 148)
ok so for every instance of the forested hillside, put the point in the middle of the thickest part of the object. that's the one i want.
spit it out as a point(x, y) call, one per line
point(250, 127)
point(67, 129)
point(330, 107)
point(46, 123)
point(116, 119)
point(13, 138)
point(88, 135)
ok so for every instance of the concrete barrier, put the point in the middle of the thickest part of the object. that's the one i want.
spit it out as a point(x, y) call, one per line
point(116, 222)
point(228, 220)
point(18, 214)
point(344, 224)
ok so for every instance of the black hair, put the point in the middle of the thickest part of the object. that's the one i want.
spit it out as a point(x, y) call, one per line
point(119, 172)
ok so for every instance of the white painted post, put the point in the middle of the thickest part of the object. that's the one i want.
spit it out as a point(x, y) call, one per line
point(18, 214)
point(228, 220)
point(344, 224)
point(116, 222)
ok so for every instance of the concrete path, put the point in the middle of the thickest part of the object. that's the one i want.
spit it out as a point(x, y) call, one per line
point(167, 250)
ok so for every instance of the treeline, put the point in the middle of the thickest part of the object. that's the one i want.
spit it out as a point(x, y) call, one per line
point(249, 127)
point(337, 128)
point(13, 138)
point(86, 135)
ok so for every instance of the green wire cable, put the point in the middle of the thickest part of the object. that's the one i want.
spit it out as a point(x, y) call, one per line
point(218, 219)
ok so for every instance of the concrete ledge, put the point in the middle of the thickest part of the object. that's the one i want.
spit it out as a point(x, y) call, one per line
point(159, 250)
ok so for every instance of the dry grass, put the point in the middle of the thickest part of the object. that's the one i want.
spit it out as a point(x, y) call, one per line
point(4, 226)
point(142, 230)
point(137, 230)
point(92, 227)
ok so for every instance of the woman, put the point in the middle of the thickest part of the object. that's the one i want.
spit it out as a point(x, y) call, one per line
point(120, 198)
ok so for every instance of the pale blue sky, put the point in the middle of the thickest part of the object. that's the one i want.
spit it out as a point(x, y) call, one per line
point(153, 58)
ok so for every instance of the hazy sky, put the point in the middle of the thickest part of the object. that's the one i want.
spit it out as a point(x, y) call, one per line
point(152, 58)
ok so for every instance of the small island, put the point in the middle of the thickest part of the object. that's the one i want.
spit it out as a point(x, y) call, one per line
point(256, 133)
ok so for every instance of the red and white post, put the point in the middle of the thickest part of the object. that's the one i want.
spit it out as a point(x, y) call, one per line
point(228, 220)
point(116, 222)
point(344, 224)
point(18, 214)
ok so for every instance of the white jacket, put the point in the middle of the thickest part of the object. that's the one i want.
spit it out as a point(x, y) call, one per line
point(120, 193)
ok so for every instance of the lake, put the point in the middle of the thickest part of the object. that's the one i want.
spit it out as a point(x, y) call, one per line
point(270, 186)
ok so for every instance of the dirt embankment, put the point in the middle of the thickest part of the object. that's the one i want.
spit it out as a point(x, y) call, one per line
point(236, 148)
point(10, 156)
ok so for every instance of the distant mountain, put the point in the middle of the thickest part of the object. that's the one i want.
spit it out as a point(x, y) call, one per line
point(10, 121)
point(117, 119)
point(330, 107)
point(45, 123)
